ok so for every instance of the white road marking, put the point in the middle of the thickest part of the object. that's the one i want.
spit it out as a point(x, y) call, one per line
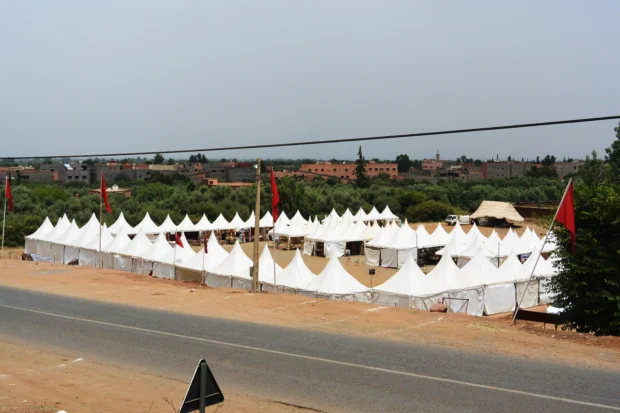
point(324, 360)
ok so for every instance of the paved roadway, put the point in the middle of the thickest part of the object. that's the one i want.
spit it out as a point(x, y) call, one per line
point(326, 372)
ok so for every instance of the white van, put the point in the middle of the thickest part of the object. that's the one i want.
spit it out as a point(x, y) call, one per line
point(453, 219)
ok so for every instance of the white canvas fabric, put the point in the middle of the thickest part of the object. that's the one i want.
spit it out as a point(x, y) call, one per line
point(335, 283)
point(165, 267)
point(267, 220)
point(309, 246)
point(44, 244)
point(266, 268)
point(298, 219)
point(237, 223)
point(138, 246)
point(31, 240)
point(236, 265)
point(168, 225)
point(348, 216)
point(120, 222)
point(397, 290)
point(387, 214)
point(373, 256)
point(283, 219)
point(220, 223)
point(59, 243)
point(373, 215)
point(294, 277)
point(250, 222)
point(215, 252)
point(146, 225)
point(155, 252)
point(203, 224)
point(186, 225)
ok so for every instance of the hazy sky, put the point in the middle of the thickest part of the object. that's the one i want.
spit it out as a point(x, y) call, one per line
point(83, 76)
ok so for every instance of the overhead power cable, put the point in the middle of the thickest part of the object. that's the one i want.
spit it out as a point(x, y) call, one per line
point(326, 141)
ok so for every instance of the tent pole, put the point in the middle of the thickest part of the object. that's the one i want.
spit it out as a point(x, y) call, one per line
point(4, 216)
point(256, 228)
point(100, 219)
point(275, 283)
point(542, 248)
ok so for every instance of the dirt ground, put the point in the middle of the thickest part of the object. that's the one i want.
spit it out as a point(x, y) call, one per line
point(57, 378)
point(490, 334)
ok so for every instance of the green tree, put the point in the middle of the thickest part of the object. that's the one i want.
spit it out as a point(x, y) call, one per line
point(588, 283)
point(361, 180)
point(404, 164)
point(428, 211)
point(158, 159)
point(170, 161)
point(612, 156)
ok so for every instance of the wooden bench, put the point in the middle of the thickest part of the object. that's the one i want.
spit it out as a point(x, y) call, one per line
point(539, 317)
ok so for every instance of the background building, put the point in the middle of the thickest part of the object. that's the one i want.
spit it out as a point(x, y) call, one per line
point(345, 171)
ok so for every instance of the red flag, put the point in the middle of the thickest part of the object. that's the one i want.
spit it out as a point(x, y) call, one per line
point(177, 240)
point(204, 236)
point(7, 193)
point(275, 198)
point(566, 214)
point(104, 195)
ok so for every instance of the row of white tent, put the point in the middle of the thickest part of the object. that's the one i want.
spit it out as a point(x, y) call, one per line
point(393, 245)
point(484, 287)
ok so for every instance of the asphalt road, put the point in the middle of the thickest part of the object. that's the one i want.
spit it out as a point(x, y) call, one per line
point(322, 371)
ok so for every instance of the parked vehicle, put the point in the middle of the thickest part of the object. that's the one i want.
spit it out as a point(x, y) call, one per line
point(453, 219)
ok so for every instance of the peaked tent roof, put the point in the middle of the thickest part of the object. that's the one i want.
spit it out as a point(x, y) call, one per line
point(220, 223)
point(348, 215)
point(409, 280)
point(480, 270)
point(215, 252)
point(265, 267)
point(404, 238)
point(45, 228)
point(298, 219)
point(146, 225)
point(118, 244)
point(138, 246)
point(267, 220)
point(296, 274)
point(373, 215)
point(158, 249)
point(237, 222)
point(72, 233)
point(168, 225)
point(497, 210)
point(283, 219)
point(203, 224)
point(60, 228)
point(250, 222)
point(334, 279)
point(93, 243)
point(176, 255)
point(120, 222)
point(236, 264)
point(387, 213)
point(186, 225)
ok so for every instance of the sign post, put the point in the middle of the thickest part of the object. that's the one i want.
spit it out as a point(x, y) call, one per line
point(203, 390)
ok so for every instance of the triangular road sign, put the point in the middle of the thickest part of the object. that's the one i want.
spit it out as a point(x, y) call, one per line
point(203, 385)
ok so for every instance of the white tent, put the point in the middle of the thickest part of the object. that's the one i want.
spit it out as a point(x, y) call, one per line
point(215, 252)
point(120, 222)
point(72, 247)
point(44, 244)
point(186, 225)
point(203, 224)
point(283, 219)
point(333, 216)
point(439, 237)
point(157, 251)
point(387, 214)
point(348, 216)
point(123, 260)
point(406, 283)
point(399, 247)
point(251, 221)
point(220, 223)
point(500, 292)
point(58, 244)
point(146, 225)
point(266, 268)
point(335, 283)
point(360, 216)
point(267, 220)
point(373, 247)
point(298, 219)
point(89, 249)
point(294, 277)
point(117, 246)
point(233, 271)
point(165, 267)
point(31, 240)
point(289, 231)
point(371, 231)
point(237, 223)
point(168, 225)
point(373, 215)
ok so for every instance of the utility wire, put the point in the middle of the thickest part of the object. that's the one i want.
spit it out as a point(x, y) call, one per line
point(329, 141)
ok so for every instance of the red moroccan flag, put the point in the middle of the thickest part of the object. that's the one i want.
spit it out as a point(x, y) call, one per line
point(104, 195)
point(566, 214)
point(275, 198)
point(7, 193)
point(177, 240)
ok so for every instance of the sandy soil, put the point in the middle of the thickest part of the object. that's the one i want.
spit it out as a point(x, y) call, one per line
point(490, 334)
point(63, 381)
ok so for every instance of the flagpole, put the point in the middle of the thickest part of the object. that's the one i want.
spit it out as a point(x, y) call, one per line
point(204, 256)
point(542, 248)
point(100, 219)
point(174, 260)
point(6, 182)
point(275, 282)
point(256, 252)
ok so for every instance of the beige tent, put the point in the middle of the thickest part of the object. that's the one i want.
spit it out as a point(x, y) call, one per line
point(497, 210)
